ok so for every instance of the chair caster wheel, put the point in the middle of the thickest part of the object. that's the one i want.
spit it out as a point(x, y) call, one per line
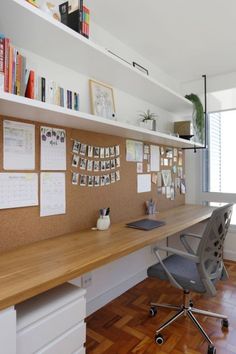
point(224, 323)
point(211, 350)
point(152, 311)
point(159, 339)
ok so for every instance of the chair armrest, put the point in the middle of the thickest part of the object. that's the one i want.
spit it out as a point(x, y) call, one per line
point(185, 242)
point(191, 235)
point(190, 256)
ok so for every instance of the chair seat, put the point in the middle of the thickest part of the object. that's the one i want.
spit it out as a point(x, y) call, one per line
point(183, 270)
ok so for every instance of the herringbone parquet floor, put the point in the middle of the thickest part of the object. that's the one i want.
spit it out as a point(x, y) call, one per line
point(124, 326)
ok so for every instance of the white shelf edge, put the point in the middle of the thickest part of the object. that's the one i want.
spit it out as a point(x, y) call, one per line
point(187, 105)
point(24, 108)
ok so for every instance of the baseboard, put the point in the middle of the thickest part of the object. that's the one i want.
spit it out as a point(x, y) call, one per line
point(230, 255)
point(109, 295)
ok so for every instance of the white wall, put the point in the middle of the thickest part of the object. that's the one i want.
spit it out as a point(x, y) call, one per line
point(128, 107)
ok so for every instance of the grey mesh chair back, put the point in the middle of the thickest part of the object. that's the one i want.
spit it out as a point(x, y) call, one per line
point(210, 249)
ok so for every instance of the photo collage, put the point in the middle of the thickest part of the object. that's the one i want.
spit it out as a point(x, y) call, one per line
point(170, 179)
point(98, 166)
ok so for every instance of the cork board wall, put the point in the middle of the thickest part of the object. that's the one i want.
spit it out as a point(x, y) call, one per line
point(21, 226)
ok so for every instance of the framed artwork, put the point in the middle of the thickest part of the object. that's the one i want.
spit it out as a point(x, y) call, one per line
point(102, 100)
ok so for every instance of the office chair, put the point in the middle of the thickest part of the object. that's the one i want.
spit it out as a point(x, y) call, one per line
point(195, 271)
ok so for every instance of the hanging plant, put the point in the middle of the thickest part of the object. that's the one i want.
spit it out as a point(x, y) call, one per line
point(198, 115)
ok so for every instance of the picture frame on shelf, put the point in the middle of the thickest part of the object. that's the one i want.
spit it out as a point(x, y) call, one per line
point(102, 100)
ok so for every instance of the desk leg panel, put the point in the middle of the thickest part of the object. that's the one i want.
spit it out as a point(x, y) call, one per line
point(8, 330)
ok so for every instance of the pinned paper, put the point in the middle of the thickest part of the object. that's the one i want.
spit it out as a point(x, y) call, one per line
point(169, 153)
point(155, 158)
point(154, 178)
point(143, 183)
point(168, 192)
point(166, 162)
point(139, 167)
point(18, 146)
point(52, 193)
point(53, 149)
point(166, 177)
point(18, 190)
point(134, 151)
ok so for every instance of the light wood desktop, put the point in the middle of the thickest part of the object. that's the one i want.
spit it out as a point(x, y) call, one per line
point(35, 268)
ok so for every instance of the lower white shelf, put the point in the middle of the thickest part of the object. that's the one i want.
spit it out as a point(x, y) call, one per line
point(24, 108)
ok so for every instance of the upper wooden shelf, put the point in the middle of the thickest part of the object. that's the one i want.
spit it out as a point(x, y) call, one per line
point(32, 29)
point(25, 108)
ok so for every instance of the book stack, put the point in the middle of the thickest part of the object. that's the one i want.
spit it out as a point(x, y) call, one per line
point(85, 22)
point(76, 16)
point(12, 68)
point(15, 78)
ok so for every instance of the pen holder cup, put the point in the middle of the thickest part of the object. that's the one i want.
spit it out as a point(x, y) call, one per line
point(103, 223)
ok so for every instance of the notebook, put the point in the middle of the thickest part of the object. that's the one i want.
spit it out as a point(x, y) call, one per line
point(145, 224)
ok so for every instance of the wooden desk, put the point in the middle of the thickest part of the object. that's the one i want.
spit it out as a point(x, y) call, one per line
point(33, 269)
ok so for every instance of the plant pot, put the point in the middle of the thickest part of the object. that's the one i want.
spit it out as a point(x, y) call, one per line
point(149, 124)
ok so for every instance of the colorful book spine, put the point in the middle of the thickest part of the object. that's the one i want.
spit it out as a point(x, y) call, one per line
point(6, 65)
point(76, 101)
point(43, 88)
point(18, 73)
point(81, 4)
point(30, 85)
point(33, 2)
point(64, 9)
point(22, 78)
point(2, 62)
point(85, 23)
point(62, 96)
point(15, 53)
point(11, 53)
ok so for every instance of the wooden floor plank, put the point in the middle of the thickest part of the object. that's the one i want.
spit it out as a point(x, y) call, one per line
point(124, 326)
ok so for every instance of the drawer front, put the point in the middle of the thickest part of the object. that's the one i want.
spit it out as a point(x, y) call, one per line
point(80, 351)
point(40, 333)
point(68, 342)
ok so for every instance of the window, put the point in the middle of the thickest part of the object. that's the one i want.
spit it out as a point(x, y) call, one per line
point(219, 159)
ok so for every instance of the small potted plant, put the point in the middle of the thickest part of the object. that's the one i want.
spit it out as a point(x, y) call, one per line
point(148, 120)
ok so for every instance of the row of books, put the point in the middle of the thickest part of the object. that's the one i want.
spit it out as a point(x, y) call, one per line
point(15, 78)
point(76, 17)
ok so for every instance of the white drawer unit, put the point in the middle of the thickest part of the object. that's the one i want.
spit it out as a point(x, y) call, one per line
point(52, 322)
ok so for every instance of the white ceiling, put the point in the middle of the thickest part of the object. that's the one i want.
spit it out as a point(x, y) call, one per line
point(185, 38)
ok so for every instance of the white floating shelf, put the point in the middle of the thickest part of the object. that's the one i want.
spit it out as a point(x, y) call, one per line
point(25, 108)
point(30, 28)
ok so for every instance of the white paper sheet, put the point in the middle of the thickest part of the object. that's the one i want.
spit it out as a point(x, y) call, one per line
point(155, 158)
point(18, 190)
point(53, 149)
point(18, 146)
point(134, 151)
point(144, 183)
point(52, 193)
